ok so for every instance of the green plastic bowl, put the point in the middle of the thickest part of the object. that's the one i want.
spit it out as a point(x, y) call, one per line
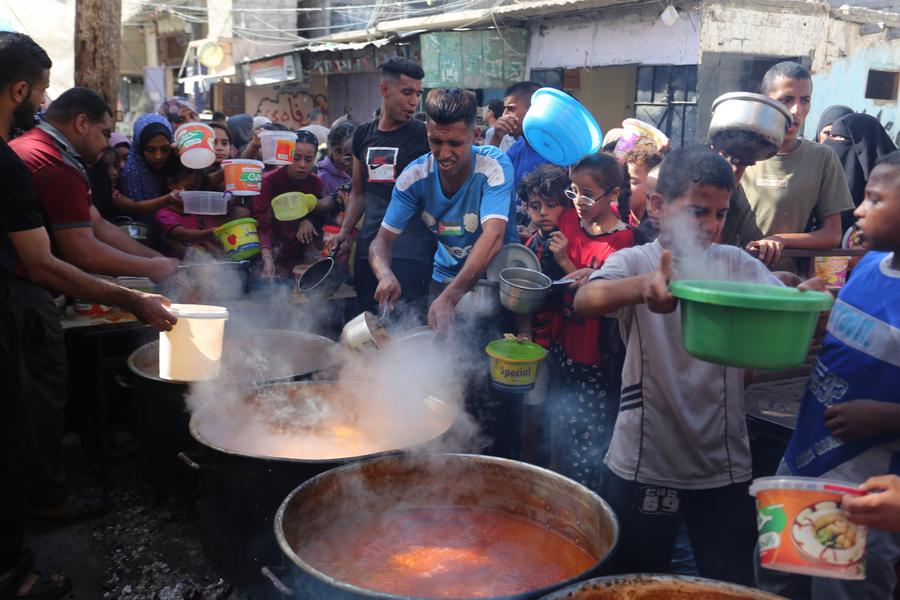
point(748, 325)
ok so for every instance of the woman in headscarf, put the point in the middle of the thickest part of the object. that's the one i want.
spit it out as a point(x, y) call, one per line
point(829, 116)
point(859, 140)
point(241, 129)
point(143, 177)
point(178, 111)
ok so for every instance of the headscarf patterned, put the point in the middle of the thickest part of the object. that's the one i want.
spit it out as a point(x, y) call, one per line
point(171, 108)
point(139, 181)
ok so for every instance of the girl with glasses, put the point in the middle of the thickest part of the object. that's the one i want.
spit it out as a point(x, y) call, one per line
point(587, 351)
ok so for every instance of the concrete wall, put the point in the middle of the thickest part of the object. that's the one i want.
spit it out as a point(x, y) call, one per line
point(286, 104)
point(613, 37)
point(842, 76)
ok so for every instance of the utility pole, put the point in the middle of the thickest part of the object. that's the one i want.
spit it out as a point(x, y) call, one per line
point(98, 39)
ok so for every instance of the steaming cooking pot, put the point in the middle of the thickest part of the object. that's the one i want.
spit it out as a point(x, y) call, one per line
point(379, 486)
point(240, 491)
point(162, 418)
point(748, 127)
point(658, 587)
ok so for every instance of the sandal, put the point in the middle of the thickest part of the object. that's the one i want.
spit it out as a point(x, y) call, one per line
point(76, 510)
point(51, 587)
point(12, 579)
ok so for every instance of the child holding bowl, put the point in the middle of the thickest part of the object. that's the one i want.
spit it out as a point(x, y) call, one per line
point(680, 444)
point(848, 428)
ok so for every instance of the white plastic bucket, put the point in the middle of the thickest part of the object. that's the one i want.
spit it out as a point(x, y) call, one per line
point(277, 147)
point(196, 145)
point(193, 349)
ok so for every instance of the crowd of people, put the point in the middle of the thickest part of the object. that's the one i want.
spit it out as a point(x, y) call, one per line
point(419, 209)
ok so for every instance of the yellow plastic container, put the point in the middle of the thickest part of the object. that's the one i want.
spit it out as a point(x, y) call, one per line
point(514, 364)
point(192, 350)
point(239, 238)
point(291, 206)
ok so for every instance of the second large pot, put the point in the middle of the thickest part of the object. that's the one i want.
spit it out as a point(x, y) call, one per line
point(241, 488)
point(159, 404)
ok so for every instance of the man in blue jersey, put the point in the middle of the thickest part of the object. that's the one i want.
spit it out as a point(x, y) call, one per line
point(463, 194)
point(849, 423)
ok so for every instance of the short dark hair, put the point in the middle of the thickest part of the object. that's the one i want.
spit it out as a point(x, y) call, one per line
point(219, 126)
point(77, 101)
point(219, 116)
point(522, 90)
point(696, 165)
point(340, 134)
point(397, 66)
point(496, 107)
point(787, 69)
point(449, 105)
point(892, 159)
point(21, 59)
point(643, 156)
point(547, 181)
point(607, 170)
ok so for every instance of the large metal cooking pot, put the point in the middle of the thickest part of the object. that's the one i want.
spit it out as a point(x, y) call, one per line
point(658, 587)
point(240, 493)
point(483, 300)
point(382, 484)
point(162, 417)
point(748, 127)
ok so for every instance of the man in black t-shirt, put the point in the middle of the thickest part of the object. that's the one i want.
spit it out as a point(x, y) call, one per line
point(32, 354)
point(381, 150)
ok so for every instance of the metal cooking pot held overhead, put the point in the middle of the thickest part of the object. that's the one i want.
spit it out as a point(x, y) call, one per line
point(748, 127)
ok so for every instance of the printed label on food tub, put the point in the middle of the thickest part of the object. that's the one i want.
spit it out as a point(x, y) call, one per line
point(190, 138)
point(513, 376)
point(284, 150)
point(805, 531)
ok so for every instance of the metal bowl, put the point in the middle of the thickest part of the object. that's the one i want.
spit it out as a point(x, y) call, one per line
point(523, 290)
point(748, 127)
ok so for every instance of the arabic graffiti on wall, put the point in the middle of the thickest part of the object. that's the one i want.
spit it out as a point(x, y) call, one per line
point(291, 108)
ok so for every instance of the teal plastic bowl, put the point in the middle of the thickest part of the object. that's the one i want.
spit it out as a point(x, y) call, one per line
point(559, 128)
point(748, 325)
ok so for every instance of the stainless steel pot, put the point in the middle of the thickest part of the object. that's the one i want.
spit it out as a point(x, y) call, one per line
point(382, 484)
point(483, 300)
point(657, 587)
point(523, 290)
point(748, 127)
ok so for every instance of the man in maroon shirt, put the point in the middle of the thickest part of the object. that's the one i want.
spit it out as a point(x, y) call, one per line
point(73, 135)
point(32, 355)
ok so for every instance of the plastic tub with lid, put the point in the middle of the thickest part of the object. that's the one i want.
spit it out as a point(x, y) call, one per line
point(205, 203)
point(802, 528)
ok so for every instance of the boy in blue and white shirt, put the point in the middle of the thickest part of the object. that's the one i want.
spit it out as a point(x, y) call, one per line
point(849, 423)
point(463, 193)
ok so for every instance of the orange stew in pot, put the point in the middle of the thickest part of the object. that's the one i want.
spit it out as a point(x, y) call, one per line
point(444, 552)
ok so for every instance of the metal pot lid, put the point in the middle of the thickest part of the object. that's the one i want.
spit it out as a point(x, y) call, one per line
point(512, 255)
point(753, 98)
